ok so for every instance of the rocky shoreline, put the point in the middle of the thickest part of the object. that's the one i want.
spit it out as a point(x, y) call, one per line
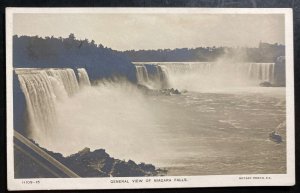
point(86, 163)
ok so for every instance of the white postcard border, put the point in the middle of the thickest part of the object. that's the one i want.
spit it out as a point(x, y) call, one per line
point(287, 179)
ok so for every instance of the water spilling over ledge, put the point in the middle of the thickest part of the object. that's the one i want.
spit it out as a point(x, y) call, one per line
point(83, 77)
point(153, 76)
point(42, 88)
point(57, 107)
point(197, 76)
point(62, 105)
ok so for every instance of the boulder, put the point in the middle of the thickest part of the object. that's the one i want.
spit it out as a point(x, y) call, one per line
point(265, 84)
point(274, 136)
point(176, 92)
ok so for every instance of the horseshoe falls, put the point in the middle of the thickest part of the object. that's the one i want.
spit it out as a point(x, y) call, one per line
point(199, 76)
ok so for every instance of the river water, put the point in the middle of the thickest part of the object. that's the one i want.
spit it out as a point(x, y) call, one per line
point(222, 133)
point(208, 130)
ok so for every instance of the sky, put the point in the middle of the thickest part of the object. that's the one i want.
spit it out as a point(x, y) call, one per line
point(156, 31)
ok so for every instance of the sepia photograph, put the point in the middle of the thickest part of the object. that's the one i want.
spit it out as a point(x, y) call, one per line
point(109, 98)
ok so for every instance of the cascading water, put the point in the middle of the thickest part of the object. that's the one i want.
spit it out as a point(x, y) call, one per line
point(156, 78)
point(183, 128)
point(209, 75)
point(83, 77)
point(162, 76)
point(252, 71)
point(261, 71)
point(39, 93)
point(67, 77)
point(142, 74)
point(95, 117)
point(42, 88)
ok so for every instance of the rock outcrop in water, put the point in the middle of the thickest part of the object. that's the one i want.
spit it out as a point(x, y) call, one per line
point(165, 91)
point(268, 84)
point(169, 91)
point(265, 84)
point(274, 136)
point(86, 163)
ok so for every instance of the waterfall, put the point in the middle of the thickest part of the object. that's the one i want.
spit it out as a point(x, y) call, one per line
point(83, 77)
point(251, 71)
point(42, 89)
point(153, 76)
point(198, 75)
point(261, 71)
point(162, 76)
point(142, 74)
point(67, 77)
point(40, 101)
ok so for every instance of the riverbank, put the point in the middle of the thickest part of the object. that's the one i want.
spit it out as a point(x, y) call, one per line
point(85, 163)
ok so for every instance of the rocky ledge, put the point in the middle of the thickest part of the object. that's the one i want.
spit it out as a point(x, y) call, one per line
point(86, 163)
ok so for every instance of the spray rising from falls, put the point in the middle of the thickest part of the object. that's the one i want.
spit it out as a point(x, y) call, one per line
point(98, 116)
point(197, 76)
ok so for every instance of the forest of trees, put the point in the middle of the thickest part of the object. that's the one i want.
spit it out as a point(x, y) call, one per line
point(263, 53)
point(51, 52)
point(102, 62)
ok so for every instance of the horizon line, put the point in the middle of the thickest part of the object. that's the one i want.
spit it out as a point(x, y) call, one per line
point(150, 49)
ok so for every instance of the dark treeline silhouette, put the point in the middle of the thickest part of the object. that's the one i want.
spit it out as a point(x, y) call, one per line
point(50, 52)
point(265, 52)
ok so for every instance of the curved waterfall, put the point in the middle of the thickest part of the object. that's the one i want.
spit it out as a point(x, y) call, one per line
point(251, 71)
point(187, 75)
point(42, 88)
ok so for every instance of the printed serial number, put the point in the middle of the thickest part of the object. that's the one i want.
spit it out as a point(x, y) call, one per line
point(30, 181)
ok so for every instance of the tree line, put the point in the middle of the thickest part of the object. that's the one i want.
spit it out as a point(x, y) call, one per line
point(265, 52)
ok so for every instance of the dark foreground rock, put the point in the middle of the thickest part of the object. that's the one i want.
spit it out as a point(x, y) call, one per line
point(85, 163)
